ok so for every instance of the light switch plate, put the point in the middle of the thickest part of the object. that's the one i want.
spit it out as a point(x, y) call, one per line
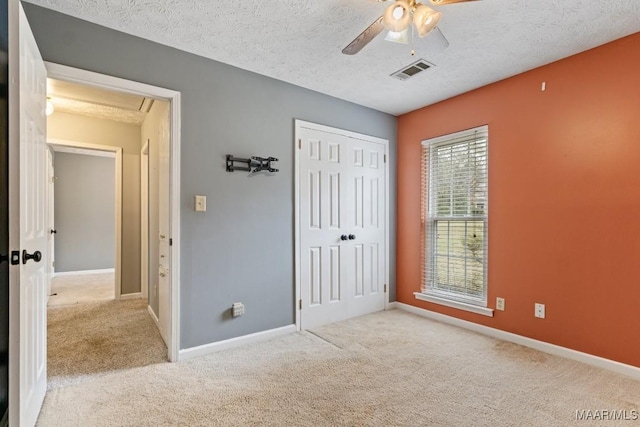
point(201, 203)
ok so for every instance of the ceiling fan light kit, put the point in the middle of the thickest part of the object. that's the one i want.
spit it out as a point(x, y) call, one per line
point(425, 19)
point(398, 37)
point(397, 18)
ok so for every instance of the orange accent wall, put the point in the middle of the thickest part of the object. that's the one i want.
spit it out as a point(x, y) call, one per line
point(564, 199)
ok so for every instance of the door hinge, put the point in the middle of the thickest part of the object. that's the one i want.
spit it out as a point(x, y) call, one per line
point(170, 242)
point(385, 158)
point(300, 144)
point(300, 304)
point(385, 288)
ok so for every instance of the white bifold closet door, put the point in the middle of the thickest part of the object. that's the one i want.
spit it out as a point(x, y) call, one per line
point(341, 226)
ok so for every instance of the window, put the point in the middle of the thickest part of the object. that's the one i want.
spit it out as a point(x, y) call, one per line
point(455, 217)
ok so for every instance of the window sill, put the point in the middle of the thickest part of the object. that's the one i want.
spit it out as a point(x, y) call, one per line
point(454, 304)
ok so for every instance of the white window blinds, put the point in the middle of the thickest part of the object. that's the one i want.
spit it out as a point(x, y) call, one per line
point(455, 189)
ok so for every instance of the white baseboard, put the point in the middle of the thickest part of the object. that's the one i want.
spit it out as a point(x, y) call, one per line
point(134, 295)
point(392, 305)
point(190, 353)
point(556, 350)
point(153, 315)
point(83, 272)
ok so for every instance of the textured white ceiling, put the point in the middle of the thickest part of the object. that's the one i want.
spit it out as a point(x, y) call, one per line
point(74, 98)
point(98, 111)
point(301, 42)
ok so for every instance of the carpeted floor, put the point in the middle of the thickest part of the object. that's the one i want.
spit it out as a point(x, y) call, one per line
point(385, 369)
point(92, 339)
point(69, 290)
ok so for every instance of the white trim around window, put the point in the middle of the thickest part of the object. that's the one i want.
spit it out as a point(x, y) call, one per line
point(455, 185)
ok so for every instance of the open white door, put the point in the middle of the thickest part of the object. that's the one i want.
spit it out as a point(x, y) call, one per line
point(28, 219)
point(144, 220)
point(164, 215)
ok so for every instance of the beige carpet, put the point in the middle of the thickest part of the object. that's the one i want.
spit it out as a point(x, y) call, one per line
point(68, 290)
point(386, 369)
point(88, 340)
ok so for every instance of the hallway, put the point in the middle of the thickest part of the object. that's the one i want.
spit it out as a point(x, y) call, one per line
point(94, 335)
point(68, 290)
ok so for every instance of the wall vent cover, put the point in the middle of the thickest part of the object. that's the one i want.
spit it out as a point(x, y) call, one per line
point(412, 69)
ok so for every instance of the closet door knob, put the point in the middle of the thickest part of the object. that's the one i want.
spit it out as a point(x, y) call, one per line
point(352, 237)
point(26, 256)
point(343, 237)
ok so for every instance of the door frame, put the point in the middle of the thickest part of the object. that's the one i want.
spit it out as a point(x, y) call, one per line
point(299, 125)
point(50, 219)
point(117, 152)
point(90, 78)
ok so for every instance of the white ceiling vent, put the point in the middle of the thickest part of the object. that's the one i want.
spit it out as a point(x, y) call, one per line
point(412, 69)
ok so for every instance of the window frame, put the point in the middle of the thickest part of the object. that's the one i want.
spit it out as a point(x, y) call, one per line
point(465, 301)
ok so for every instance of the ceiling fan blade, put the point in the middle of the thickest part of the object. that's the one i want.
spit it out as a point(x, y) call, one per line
point(364, 38)
point(443, 2)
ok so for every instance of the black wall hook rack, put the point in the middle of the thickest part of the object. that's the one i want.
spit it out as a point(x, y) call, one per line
point(253, 165)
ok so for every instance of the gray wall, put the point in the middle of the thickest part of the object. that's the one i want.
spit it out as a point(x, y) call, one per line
point(84, 212)
point(73, 127)
point(241, 249)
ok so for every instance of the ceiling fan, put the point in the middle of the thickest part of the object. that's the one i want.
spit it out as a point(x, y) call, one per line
point(397, 18)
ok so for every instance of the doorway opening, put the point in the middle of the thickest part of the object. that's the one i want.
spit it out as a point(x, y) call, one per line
point(96, 230)
point(147, 259)
point(84, 223)
point(85, 206)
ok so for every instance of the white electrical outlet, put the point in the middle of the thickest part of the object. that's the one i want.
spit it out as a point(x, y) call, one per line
point(238, 309)
point(201, 203)
point(539, 310)
point(500, 304)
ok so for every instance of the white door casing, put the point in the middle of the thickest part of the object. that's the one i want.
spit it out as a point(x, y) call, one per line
point(28, 210)
point(50, 220)
point(341, 224)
